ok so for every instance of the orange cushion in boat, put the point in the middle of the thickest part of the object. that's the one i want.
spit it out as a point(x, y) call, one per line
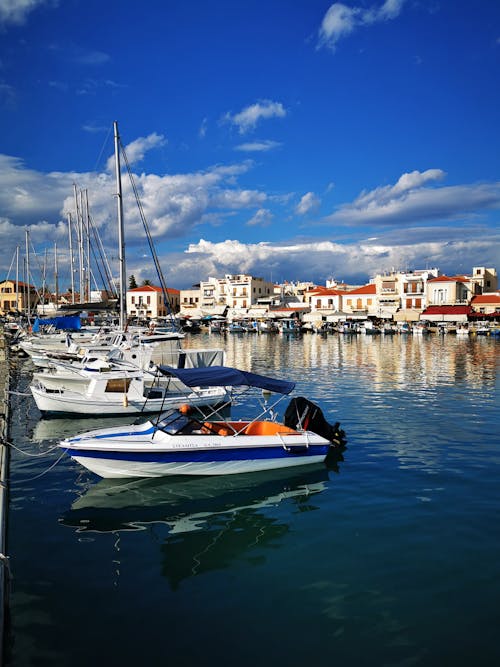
point(267, 428)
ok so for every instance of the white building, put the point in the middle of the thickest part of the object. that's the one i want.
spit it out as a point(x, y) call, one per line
point(238, 291)
point(403, 292)
point(147, 302)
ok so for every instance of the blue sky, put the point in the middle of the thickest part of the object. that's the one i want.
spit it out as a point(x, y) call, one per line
point(293, 140)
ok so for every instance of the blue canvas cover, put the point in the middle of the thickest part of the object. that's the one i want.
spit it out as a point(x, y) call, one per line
point(224, 376)
point(65, 322)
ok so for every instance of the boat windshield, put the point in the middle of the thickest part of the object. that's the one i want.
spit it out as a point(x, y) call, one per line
point(173, 422)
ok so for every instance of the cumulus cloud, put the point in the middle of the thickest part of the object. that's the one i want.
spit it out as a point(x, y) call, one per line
point(352, 262)
point(411, 216)
point(248, 118)
point(308, 202)
point(409, 201)
point(341, 20)
point(173, 204)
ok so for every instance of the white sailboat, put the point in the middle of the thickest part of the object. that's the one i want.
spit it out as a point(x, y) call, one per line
point(116, 376)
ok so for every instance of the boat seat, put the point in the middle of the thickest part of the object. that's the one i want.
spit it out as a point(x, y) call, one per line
point(267, 428)
point(214, 429)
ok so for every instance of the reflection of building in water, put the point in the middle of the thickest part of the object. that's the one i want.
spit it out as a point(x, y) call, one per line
point(426, 362)
point(389, 362)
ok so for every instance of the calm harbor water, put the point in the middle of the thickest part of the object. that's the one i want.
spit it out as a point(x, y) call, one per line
point(387, 557)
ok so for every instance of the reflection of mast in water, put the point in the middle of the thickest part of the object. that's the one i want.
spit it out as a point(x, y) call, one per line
point(116, 562)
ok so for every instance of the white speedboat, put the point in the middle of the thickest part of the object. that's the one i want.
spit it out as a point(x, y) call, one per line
point(179, 443)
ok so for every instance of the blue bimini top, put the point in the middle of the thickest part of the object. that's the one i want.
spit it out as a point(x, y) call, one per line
point(224, 376)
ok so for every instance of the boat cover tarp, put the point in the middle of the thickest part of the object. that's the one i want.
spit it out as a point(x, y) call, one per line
point(224, 376)
point(65, 322)
point(200, 358)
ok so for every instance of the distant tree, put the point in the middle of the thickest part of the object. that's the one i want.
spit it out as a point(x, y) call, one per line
point(132, 284)
point(147, 282)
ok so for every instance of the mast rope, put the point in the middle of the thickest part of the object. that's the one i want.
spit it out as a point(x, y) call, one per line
point(150, 239)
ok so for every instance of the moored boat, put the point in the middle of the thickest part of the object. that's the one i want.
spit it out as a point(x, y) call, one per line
point(180, 443)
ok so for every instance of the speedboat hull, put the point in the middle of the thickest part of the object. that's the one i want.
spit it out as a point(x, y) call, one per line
point(145, 451)
point(155, 464)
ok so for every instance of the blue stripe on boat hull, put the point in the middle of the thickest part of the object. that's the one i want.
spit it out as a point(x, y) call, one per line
point(205, 456)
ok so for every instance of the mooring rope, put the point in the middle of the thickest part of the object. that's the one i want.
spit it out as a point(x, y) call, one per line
point(22, 451)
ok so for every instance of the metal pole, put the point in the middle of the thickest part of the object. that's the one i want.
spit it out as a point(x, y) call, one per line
point(28, 290)
point(121, 239)
point(71, 260)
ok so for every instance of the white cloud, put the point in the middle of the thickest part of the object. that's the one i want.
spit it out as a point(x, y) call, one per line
point(180, 206)
point(7, 95)
point(137, 149)
point(202, 132)
point(341, 20)
point(17, 11)
point(409, 201)
point(308, 202)
point(174, 205)
point(263, 218)
point(258, 146)
point(248, 117)
point(93, 58)
point(318, 260)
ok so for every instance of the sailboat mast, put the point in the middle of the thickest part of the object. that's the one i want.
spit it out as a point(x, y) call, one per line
point(17, 279)
point(28, 304)
point(121, 239)
point(71, 260)
point(56, 276)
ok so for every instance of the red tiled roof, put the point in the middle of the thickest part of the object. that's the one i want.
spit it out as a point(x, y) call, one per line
point(485, 298)
point(328, 292)
point(448, 279)
point(366, 289)
point(153, 288)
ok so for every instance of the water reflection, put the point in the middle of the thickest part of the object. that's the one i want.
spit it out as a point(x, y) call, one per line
point(206, 523)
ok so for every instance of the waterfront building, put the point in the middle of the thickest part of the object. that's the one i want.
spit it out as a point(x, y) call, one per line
point(190, 301)
point(448, 291)
point(240, 292)
point(362, 301)
point(486, 304)
point(16, 295)
point(147, 302)
point(483, 280)
point(327, 301)
point(401, 295)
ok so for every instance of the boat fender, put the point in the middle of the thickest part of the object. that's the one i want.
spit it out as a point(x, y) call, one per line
point(184, 409)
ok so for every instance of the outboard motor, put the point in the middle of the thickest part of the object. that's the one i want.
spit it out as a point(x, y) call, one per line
point(303, 414)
